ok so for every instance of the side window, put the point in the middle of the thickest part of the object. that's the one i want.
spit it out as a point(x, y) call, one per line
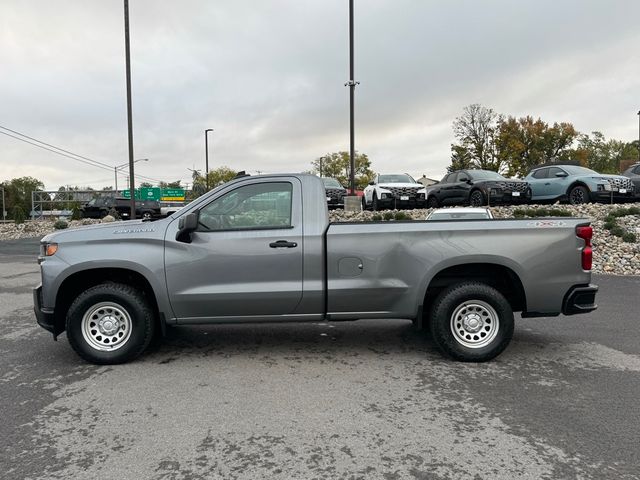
point(542, 173)
point(552, 172)
point(257, 206)
point(448, 178)
point(637, 170)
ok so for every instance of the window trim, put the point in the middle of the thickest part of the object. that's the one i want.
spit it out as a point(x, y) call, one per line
point(247, 229)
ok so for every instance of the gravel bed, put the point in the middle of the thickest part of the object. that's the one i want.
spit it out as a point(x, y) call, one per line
point(610, 254)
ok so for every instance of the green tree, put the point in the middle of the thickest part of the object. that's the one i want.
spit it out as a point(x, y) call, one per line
point(145, 185)
point(475, 132)
point(523, 143)
point(176, 184)
point(337, 165)
point(602, 155)
point(216, 178)
point(18, 191)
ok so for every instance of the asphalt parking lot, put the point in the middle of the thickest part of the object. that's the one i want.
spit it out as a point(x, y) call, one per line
point(368, 399)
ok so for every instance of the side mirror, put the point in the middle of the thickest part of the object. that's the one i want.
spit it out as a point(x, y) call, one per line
point(186, 226)
point(464, 179)
point(372, 182)
point(561, 174)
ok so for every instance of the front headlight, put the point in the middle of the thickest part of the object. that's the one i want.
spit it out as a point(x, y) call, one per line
point(48, 249)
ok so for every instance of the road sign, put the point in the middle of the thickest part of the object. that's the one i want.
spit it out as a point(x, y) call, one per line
point(172, 194)
point(155, 193)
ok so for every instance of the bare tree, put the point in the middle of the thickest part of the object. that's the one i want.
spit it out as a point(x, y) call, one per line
point(475, 131)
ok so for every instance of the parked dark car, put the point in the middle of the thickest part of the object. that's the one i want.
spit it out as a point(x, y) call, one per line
point(335, 192)
point(477, 188)
point(633, 172)
point(577, 185)
point(100, 207)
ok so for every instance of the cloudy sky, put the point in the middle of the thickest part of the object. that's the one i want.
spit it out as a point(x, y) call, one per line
point(268, 77)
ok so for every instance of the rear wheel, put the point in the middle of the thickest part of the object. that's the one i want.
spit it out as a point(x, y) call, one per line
point(578, 195)
point(471, 322)
point(110, 323)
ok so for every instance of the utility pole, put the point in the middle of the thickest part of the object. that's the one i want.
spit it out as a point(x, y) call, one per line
point(321, 158)
point(4, 208)
point(132, 181)
point(206, 156)
point(352, 90)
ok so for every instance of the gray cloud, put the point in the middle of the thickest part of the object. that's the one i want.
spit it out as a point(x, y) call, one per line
point(268, 77)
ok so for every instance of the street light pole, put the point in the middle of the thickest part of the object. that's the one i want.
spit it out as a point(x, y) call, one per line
point(352, 90)
point(132, 182)
point(639, 136)
point(206, 156)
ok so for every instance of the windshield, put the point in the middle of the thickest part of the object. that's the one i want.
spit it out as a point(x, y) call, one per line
point(485, 175)
point(458, 216)
point(401, 178)
point(576, 170)
point(331, 182)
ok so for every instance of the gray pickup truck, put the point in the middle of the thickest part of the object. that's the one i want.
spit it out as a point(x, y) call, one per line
point(261, 249)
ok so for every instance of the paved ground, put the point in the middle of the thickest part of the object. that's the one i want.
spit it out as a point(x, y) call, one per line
point(354, 400)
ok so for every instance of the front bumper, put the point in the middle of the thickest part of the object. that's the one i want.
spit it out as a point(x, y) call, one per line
point(607, 196)
point(508, 197)
point(580, 299)
point(335, 202)
point(44, 316)
point(397, 203)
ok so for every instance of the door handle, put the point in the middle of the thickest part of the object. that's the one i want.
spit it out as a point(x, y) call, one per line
point(283, 244)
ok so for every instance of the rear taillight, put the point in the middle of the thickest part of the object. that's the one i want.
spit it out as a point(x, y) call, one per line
point(586, 233)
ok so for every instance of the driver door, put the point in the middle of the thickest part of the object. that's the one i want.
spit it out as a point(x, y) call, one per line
point(245, 258)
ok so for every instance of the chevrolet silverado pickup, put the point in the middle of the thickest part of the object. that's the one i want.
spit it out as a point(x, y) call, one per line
point(262, 249)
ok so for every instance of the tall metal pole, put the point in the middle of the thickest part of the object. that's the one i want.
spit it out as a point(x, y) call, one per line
point(4, 208)
point(352, 90)
point(115, 172)
point(132, 181)
point(639, 136)
point(206, 156)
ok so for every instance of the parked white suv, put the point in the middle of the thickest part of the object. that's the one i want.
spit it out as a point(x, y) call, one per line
point(393, 191)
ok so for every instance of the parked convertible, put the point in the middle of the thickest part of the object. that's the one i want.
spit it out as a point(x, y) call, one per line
point(577, 185)
point(477, 188)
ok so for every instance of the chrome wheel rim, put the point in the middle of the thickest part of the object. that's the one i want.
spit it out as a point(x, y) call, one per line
point(474, 324)
point(106, 326)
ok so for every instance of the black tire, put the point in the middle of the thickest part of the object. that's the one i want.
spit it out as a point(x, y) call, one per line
point(103, 213)
point(476, 199)
point(147, 215)
point(364, 203)
point(432, 202)
point(375, 205)
point(578, 195)
point(112, 299)
point(457, 307)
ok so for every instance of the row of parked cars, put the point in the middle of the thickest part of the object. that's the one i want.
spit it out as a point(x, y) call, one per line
point(549, 183)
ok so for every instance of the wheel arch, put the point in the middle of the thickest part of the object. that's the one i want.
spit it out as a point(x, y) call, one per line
point(577, 183)
point(81, 280)
point(502, 277)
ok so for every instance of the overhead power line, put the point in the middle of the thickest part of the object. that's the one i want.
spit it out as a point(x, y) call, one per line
point(65, 153)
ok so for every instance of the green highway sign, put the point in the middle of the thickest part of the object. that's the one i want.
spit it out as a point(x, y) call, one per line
point(156, 193)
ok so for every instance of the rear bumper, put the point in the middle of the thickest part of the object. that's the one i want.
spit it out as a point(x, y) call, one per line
point(44, 316)
point(580, 299)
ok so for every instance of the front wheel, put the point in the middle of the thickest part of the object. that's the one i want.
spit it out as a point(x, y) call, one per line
point(476, 199)
point(432, 202)
point(110, 323)
point(471, 322)
point(578, 195)
point(375, 205)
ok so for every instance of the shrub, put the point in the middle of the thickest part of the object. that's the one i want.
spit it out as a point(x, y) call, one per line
point(376, 218)
point(519, 212)
point(558, 212)
point(18, 215)
point(114, 213)
point(629, 237)
point(609, 225)
point(76, 213)
point(60, 224)
point(634, 211)
point(402, 216)
point(617, 231)
point(388, 215)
